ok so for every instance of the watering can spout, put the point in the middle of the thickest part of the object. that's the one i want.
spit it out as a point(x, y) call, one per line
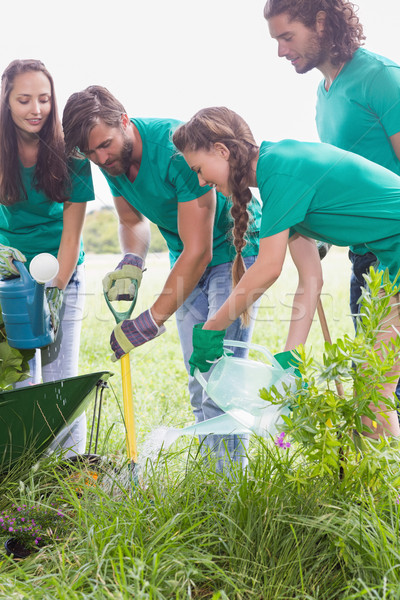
point(25, 314)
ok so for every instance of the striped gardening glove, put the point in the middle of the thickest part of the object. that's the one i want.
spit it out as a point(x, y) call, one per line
point(131, 333)
point(7, 268)
point(118, 284)
point(54, 298)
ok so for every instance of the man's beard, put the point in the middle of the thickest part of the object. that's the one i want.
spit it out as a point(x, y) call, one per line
point(123, 161)
point(315, 54)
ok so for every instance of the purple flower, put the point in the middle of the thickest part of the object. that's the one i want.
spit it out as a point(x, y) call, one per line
point(398, 500)
point(279, 441)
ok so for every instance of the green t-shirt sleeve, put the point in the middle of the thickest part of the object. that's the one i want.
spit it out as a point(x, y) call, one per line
point(286, 201)
point(115, 192)
point(384, 95)
point(184, 180)
point(81, 180)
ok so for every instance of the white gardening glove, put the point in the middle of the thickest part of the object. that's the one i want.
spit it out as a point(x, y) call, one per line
point(118, 285)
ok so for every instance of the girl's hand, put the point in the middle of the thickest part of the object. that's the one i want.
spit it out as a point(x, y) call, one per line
point(7, 268)
point(208, 346)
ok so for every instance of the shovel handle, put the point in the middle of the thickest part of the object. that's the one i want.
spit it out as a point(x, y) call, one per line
point(129, 415)
point(121, 316)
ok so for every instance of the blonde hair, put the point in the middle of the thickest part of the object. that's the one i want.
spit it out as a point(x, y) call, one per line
point(220, 124)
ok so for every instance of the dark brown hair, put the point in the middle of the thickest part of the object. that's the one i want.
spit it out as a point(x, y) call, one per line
point(343, 30)
point(219, 124)
point(51, 172)
point(86, 109)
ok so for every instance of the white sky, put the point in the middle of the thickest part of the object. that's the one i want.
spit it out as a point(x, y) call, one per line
point(168, 58)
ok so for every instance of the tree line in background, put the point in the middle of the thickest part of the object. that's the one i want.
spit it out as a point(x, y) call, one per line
point(100, 233)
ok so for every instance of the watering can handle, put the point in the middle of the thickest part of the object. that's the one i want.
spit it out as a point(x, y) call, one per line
point(257, 347)
point(23, 271)
point(202, 381)
point(120, 316)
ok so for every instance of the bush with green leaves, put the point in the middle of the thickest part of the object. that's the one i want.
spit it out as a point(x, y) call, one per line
point(100, 233)
point(14, 364)
point(328, 426)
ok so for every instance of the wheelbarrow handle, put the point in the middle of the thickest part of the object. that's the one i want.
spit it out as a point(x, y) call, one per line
point(121, 316)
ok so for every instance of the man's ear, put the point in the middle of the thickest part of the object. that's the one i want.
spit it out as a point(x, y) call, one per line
point(125, 120)
point(222, 150)
point(320, 21)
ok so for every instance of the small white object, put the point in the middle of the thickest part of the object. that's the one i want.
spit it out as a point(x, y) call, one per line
point(44, 267)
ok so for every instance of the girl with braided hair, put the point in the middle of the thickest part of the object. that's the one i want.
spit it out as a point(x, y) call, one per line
point(309, 191)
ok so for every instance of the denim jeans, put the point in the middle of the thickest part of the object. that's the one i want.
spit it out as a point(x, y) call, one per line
point(60, 360)
point(208, 296)
point(361, 265)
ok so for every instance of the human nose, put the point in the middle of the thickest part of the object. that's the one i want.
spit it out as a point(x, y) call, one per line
point(101, 156)
point(35, 107)
point(282, 49)
point(202, 182)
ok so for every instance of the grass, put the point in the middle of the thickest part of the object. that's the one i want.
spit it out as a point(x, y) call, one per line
point(184, 531)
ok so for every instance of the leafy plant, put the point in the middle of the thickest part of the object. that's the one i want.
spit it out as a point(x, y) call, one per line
point(329, 426)
point(14, 365)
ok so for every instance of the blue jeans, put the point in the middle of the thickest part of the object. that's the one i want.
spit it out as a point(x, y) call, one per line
point(361, 265)
point(60, 360)
point(208, 296)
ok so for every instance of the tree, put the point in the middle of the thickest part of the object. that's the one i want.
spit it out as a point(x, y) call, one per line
point(100, 233)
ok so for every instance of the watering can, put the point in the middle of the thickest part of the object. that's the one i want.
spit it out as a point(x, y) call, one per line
point(25, 314)
point(235, 383)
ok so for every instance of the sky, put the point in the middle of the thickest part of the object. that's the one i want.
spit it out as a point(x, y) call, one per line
point(169, 58)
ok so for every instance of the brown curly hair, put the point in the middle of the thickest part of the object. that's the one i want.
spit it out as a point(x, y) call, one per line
point(343, 30)
point(219, 124)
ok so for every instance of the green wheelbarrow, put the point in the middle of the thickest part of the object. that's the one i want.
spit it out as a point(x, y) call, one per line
point(31, 417)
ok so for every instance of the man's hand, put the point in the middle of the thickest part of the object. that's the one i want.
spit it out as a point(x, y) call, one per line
point(7, 268)
point(131, 333)
point(118, 284)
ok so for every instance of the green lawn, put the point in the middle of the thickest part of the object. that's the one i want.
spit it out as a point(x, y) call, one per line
point(158, 376)
point(180, 531)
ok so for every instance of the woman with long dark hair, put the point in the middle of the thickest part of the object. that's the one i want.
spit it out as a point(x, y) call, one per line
point(42, 208)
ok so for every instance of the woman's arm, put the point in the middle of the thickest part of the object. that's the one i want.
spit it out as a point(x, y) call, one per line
point(68, 252)
point(257, 279)
point(305, 256)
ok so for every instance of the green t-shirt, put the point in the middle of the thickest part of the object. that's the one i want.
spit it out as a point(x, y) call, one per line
point(331, 195)
point(35, 224)
point(361, 109)
point(163, 180)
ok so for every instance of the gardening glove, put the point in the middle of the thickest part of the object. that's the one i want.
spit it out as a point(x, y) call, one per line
point(289, 359)
point(7, 268)
point(118, 284)
point(131, 333)
point(323, 249)
point(54, 298)
point(208, 345)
